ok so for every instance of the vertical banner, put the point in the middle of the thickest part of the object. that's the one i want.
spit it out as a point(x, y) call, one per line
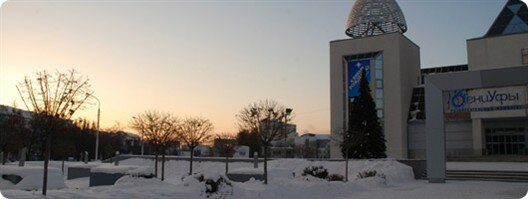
point(355, 70)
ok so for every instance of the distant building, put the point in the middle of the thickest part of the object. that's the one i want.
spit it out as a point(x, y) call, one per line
point(283, 146)
point(313, 146)
point(241, 152)
point(219, 146)
point(199, 151)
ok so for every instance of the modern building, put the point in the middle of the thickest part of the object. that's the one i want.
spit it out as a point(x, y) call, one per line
point(480, 121)
point(314, 146)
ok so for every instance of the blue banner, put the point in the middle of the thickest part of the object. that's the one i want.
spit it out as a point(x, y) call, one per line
point(355, 69)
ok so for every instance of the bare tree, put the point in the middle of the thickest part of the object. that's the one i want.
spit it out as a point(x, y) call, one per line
point(265, 118)
point(193, 132)
point(225, 145)
point(160, 130)
point(53, 98)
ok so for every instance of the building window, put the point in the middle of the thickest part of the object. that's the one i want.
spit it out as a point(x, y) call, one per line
point(379, 93)
point(375, 72)
point(379, 83)
point(525, 56)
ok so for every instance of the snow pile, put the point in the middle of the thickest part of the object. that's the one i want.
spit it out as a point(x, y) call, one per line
point(395, 172)
point(284, 170)
point(31, 177)
point(282, 183)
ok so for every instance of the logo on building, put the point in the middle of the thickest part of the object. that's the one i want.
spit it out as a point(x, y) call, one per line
point(488, 99)
point(459, 99)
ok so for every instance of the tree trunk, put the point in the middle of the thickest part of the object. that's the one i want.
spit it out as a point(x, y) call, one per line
point(3, 157)
point(156, 164)
point(191, 161)
point(46, 162)
point(62, 166)
point(163, 166)
point(266, 164)
point(227, 164)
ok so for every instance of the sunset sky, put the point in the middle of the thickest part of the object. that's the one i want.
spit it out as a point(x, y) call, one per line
point(210, 58)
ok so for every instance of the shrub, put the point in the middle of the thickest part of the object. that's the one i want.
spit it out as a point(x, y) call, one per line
point(370, 173)
point(366, 174)
point(335, 177)
point(318, 172)
point(215, 186)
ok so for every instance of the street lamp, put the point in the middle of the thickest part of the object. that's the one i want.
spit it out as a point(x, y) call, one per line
point(97, 132)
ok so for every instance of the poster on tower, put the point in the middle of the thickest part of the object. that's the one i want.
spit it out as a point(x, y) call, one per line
point(355, 69)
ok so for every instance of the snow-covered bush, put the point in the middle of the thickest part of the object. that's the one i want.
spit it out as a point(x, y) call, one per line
point(366, 174)
point(335, 177)
point(315, 171)
point(215, 185)
point(372, 177)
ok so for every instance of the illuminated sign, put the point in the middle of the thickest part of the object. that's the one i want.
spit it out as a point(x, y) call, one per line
point(355, 70)
point(489, 99)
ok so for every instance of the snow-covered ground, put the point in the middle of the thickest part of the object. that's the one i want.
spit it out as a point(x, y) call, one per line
point(398, 183)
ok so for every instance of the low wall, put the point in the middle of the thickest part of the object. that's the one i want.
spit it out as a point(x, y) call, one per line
point(244, 177)
point(100, 179)
point(78, 172)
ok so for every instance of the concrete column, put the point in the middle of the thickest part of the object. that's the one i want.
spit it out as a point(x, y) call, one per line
point(86, 157)
point(22, 159)
point(116, 162)
point(435, 133)
point(478, 141)
point(255, 160)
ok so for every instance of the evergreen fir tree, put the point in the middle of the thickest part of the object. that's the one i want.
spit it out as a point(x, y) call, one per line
point(364, 138)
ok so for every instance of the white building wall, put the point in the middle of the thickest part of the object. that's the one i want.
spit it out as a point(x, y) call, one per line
point(459, 140)
point(496, 52)
point(401, 68)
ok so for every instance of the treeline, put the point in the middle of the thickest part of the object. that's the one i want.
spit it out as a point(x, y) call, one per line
point(20, 129)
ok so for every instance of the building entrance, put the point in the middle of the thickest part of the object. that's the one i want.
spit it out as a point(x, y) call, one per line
point(506, 141)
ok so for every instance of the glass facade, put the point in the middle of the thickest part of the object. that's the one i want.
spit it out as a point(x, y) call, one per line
point(376, 77)
point(512, 19)
point(379, 92)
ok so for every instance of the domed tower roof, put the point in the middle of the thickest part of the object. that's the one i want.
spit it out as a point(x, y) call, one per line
point(375, 17)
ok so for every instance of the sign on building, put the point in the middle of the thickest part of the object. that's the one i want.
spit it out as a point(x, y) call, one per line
point(485, 99)
point(355, 70)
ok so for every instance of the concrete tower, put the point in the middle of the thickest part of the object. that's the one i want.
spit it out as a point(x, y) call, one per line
point(392, 62)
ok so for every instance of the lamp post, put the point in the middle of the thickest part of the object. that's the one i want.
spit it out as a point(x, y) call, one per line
point(97, 132)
